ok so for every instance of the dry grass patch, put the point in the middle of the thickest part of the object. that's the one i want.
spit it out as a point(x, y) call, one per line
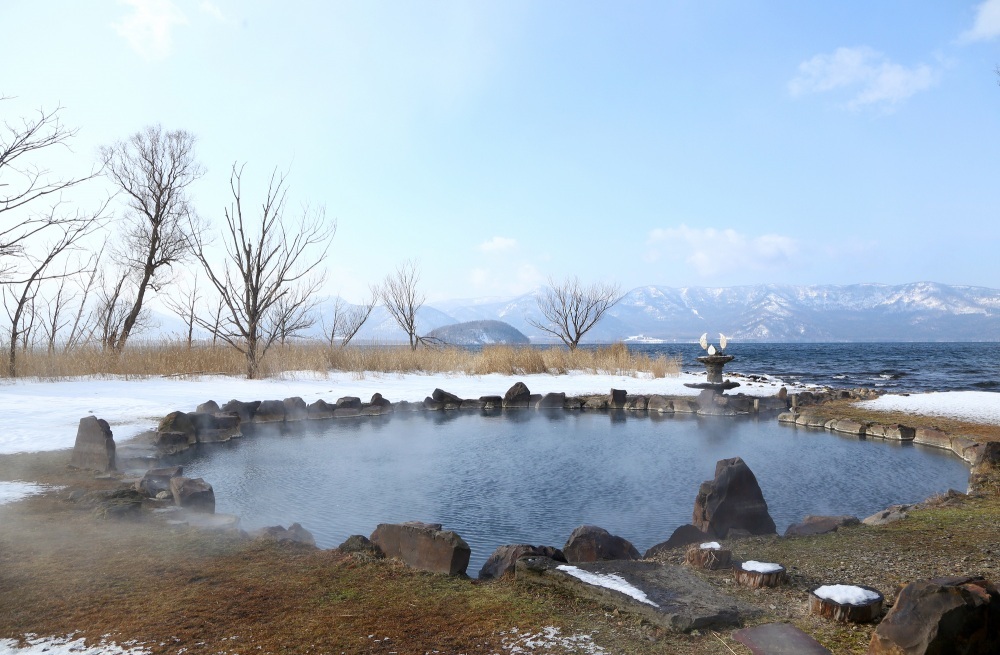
point(175, 358)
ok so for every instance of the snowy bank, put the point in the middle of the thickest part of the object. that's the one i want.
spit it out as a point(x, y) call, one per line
point(42, 416)
point(972, 406)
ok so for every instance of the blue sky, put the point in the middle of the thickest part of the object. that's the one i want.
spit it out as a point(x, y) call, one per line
point(681, 143)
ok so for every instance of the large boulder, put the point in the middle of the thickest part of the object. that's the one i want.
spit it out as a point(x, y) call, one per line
point(517, 396)
point(349, 402)
point(211, 428)
point(589, 543)
point(616, 399)
point(157, 480)
point(442, 396)
point(955, 615)
point(244, 410)
point(732, 501)
point(358, 543)
point(320, 409)
point(179, 422)
point(683, 536)
point(423, 546)
point(270, 411)
point(555, 400)
point(193, 493)
point(295, 409)
point(504, 558)
point(95, 445)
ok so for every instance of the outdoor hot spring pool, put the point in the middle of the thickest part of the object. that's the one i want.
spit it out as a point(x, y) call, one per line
point(532, 477)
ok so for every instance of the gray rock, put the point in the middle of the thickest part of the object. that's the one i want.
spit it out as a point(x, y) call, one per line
point(616, 399)
point(178, 422)
point(193, 493)
point(678, 599)
point(295, 409)
point(732, 500)
point(812, 525)
point(491, 402)
point(959, 615)
point(636, 403)
point(243, 410)
point(294, 534)
point(358, 543)
point(208, 407)
point(589, 543)
point(95, 446)
point(270, 411)
point(683, 536)
point(442, 396)
point(156, 481)
point(423, 546)
point(320, 409)
point(552, 401)
point(888, 515)
point(504, 558)
point(348, 402)
point(657, 403)
point(518, 393)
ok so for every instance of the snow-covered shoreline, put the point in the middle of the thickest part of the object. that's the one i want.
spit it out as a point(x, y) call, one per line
point(43, 415)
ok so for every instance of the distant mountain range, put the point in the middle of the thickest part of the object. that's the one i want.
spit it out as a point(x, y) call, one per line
point(922, 311)
point(479, 333)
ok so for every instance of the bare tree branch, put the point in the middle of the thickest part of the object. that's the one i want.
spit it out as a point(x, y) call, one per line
point(400, 296)
point(347, 320)
point(153, 170)
point(269, 279)
point(571, 310)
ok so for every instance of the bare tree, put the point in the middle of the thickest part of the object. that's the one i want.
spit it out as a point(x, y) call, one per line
point(185, 305)
point(21, 293)
point(347, 320)
point(400, 296)
point(571, 310)
point(153, 169)
point(23, 183)
point(268, 281)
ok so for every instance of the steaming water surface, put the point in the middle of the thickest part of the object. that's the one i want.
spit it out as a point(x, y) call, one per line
point(532, 477)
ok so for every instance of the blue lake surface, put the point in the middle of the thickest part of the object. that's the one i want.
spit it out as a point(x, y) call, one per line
point(533, 476)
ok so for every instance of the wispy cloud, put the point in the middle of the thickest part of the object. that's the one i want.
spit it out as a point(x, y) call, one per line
point(148, 27)
point(498, 244)
point(987, 23)
point(871, 77)
point(711, 252)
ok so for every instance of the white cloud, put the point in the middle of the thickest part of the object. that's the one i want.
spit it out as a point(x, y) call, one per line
point(711, 252)
point(147, 29)
point(868, 74)
point(498, 244)
point(212, 10)
point(987, 24)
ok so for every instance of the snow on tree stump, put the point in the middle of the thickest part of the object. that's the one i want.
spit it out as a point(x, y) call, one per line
point(759, 574)
point(846, 603)
point(710, 555)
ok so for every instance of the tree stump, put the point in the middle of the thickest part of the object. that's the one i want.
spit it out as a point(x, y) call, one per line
point(712, 558)
point(846, 603)
point(759, 574)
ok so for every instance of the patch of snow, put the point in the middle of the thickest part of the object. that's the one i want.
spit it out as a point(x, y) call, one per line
point(41, 415)
point(761, 567)
point(68, 646)
point(846, 594)
point(972, 406)
point(14, 491)
point(608, 581)
point(711, 545)
point(518, 643)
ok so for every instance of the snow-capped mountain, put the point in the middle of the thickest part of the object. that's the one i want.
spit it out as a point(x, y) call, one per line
point(922, 311)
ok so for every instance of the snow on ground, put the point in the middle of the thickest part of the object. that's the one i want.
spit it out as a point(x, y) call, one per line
point(68, 646)
point(608, 581)
point(11, 491)
point(44, 415)
point(972, 406)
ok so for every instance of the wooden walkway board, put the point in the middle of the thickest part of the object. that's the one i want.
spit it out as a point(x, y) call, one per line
point(779, 639)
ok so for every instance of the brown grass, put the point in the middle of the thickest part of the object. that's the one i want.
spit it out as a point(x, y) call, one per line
point(143, 359)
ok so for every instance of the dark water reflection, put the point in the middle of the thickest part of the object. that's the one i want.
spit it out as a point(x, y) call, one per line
point(532, 477)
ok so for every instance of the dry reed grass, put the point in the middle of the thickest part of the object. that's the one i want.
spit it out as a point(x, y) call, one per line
point(175, 358)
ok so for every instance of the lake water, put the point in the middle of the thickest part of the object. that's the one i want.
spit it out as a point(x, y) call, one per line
point(533, 476)
point(893, 367)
